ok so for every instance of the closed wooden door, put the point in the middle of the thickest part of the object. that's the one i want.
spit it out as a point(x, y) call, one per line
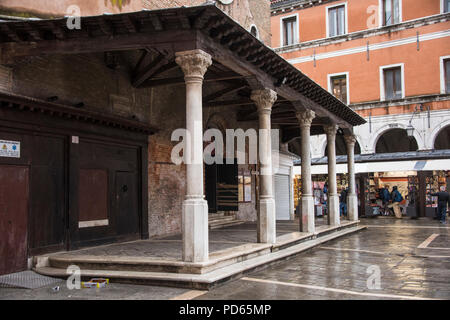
point(127, 206)
point(13, 218)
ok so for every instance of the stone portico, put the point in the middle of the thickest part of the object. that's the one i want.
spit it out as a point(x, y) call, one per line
point(190, 65)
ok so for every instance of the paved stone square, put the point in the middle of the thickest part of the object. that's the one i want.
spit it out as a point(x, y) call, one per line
point(413, 257)
point(410, 266)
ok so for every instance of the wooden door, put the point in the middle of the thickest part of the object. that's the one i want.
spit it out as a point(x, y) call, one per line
point(47, 198)
point(127, 203)
point(14, 194)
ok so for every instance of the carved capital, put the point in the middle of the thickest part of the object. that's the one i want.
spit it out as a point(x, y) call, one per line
point(331, 130)
point(194, 63)
point(350, 140)
point(305, 118)
point(264, 99)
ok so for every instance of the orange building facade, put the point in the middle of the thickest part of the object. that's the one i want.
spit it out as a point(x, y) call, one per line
point(385, 58)
point(389, 60)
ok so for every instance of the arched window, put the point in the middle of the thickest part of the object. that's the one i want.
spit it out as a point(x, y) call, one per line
point(254, 31)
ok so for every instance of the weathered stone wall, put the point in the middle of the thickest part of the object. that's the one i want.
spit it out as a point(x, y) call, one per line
point(60, 8)
point(82, 78)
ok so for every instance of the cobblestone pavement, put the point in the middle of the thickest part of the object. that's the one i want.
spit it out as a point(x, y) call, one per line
point(412, 256)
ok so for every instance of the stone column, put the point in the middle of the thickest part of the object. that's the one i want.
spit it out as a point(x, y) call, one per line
point(264, 100)
point(305, 119)
point(352, 200)
point(195, 208)
point(333, 198)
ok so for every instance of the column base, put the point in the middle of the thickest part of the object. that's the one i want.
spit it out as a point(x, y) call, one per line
point(195, 230)
point(267, 221)
point(352, 207)
point(333, 211)
point(308, 219)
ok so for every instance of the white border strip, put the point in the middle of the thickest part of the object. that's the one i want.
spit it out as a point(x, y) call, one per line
point(190, 295)
point(347, 78)
point(442, 73)
point(382, 84)
point(93, 223)
point(379, 295)
point(428, 241)
point(376, 46)
point(296, 31)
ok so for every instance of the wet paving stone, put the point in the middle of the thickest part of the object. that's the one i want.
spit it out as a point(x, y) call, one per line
point(342, 265)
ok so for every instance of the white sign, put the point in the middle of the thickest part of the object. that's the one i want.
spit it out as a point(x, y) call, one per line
point(9, 149)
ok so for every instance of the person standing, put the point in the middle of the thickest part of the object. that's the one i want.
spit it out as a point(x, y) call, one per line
point(396, 197)
point(443, 201)
point(343, 202)
point(386, 197)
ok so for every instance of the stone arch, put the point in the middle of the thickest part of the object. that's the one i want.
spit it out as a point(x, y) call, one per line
point(358, 148)
point(436, 131)
point(217, 121)
point(395, 140)
point(442, 139)
point(381, 131)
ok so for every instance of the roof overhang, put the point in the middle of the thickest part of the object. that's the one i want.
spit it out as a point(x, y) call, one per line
point(172, 30)
point(24, 104)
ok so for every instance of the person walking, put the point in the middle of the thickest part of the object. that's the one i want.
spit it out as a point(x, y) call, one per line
point(385, 197)
point(396, 197)
point(443, 201)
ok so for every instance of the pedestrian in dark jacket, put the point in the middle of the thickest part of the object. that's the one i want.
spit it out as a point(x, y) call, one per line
point(443, 201)
point(396, 199)
point(385, 197)
point(343, 202)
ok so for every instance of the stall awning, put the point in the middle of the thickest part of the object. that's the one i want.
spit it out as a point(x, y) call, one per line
point(391, 166)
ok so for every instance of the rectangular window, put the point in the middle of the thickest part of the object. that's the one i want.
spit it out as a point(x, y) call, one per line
point(339, 87)
point(446, 6)
point(336, 21)
point(391, 12)
point(447, 75)
point(393, 83)
point(289, 31)
point(245, 187)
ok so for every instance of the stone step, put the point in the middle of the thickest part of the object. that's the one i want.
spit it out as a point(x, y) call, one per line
point(218, 259)
point(218, 219)
point(221, 225)
point(204, 281)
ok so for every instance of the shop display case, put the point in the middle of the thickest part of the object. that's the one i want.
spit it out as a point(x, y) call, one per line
point(412, 210)
point(370, 197)
point(431, 203)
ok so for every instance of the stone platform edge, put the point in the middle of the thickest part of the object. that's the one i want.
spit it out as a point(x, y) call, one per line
point(206, 281)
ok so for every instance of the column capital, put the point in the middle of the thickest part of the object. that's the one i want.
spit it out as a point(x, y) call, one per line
point(264, 99)
point(350, 139)
point(305, 118)
point(331, 130)
point(194, 63)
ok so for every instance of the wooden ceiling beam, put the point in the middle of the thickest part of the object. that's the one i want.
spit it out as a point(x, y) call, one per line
point(159, 65)
point(180, 80)
point(228, 90)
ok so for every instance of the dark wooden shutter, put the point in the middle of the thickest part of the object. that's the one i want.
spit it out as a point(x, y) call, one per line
point(227, 187)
